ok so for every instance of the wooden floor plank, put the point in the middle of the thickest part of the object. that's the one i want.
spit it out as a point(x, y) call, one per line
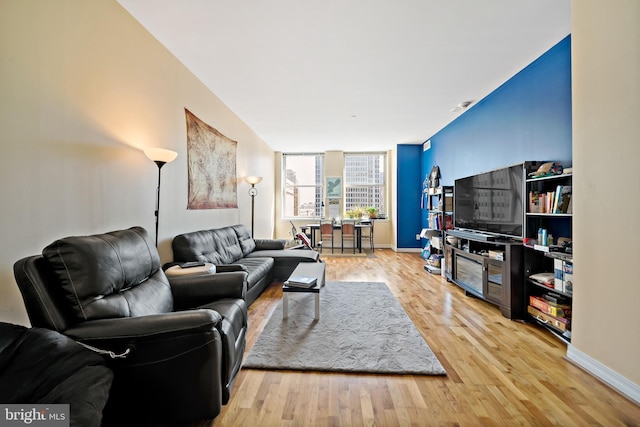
point(500, 372)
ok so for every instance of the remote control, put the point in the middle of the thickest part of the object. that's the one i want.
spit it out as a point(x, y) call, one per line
point(192, 264)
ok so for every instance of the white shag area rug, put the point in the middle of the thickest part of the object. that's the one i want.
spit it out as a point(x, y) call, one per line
point(362, 328)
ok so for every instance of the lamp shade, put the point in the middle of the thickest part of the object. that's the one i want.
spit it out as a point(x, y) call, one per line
point(160, 154)
point(253, 180)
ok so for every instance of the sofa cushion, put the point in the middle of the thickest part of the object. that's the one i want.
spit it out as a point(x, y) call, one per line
point(247, 244)
point(230, 244)
point(285, 260)
point(270, 244)
point(200, 246)
point(109, 275)
point(257, 267)
point(218, 246)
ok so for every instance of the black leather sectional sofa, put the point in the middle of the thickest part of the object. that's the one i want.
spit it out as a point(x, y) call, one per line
point(174, 345)
point(233, 249)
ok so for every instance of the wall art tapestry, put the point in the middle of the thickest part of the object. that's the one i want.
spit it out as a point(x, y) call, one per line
point(212, 166)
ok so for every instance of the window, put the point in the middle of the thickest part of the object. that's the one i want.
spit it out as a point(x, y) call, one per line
point(365, 181)
point(303, 190)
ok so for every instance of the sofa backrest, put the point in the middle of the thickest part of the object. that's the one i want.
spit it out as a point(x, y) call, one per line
point(218, 246)
point(116, 274)
point(247, 244)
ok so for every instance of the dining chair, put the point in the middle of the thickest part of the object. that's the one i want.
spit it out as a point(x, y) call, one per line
point(326, 233)
point(349, 233)
point(366, 233)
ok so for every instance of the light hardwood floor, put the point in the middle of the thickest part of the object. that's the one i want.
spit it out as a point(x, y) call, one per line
point(499, 372)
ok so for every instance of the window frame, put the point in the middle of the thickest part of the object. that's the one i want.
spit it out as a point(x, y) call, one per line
point(319, 186)
point(383, 208)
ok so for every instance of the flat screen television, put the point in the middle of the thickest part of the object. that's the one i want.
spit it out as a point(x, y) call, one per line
point(491, 202)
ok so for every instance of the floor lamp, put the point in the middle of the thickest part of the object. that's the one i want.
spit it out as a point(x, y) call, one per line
point(160, 157)
point(253, 180)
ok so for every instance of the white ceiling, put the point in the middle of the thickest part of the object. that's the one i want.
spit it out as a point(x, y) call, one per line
point(352, 75)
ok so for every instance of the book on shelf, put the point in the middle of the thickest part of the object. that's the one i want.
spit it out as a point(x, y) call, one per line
point(540, 202)
point(448, 204)
point(556, 298)
point(533, 199)
point(561, 323)
point(552, 308)
point(545, 279)
point(558, 273)
point(431, 219)
point(565, 200)
point(567, 287)
point(436, 222)
point(556, 198)
point(551, 202)
point(448, 222)
point(301, 281)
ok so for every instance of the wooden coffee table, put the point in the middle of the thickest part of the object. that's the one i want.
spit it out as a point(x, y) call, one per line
point(312, 269)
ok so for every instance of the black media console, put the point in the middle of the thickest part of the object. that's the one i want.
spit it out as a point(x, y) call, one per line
point(473, 235)
point(487, 267)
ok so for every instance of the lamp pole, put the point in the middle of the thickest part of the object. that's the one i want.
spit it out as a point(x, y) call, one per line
point(157, 212)
point(160, 157)
point(253, 180)
point(253, 193)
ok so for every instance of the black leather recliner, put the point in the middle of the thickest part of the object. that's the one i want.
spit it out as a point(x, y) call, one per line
point(109, 292)
point(43, 367)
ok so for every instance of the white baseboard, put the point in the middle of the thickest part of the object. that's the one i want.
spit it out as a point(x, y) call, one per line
point(416, 250)
point(605, 374)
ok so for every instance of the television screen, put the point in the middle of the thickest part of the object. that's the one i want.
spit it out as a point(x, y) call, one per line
point(491, 202)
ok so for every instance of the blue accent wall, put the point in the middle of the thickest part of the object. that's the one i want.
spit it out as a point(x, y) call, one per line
point(526, 118)
point(409, 191)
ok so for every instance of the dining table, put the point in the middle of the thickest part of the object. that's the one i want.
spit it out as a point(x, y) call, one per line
point(312, 228)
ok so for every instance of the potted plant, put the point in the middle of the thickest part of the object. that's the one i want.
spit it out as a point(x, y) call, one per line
point(357, 212)
point(372, 211)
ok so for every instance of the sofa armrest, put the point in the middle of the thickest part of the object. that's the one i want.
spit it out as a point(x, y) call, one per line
point(183, 349)
point(122, 336)
point(269, 244)
point(228, 268)
point(193, 291)
point(223, 268)
point(163, 324)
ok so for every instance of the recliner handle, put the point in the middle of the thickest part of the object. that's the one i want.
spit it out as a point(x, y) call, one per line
point(109, 353)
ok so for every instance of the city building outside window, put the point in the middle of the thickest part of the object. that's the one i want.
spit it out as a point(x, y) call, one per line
point(364, 178)
point(303, 190)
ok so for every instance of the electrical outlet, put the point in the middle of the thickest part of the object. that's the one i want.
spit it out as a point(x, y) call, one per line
point(417, 237)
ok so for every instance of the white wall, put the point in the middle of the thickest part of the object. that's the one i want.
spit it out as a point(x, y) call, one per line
point(83, 88)
point(606, 152)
